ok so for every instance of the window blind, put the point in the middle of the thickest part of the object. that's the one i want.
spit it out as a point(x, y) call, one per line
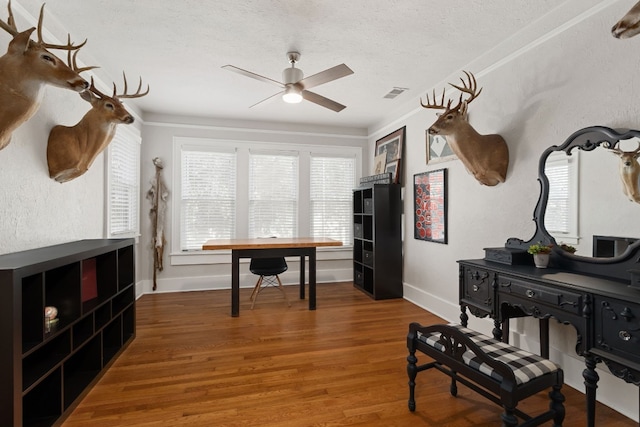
point(273, 194)
point(332, 180)
point(124, 183)
point(558, 216)
point(208, 193)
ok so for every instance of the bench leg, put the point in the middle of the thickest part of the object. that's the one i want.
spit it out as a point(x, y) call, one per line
point(557, 399)
point(508, 417)
point(412, 371)
point(453, 389)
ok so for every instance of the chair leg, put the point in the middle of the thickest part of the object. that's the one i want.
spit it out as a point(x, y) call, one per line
point(254, 293)
point(282, 290)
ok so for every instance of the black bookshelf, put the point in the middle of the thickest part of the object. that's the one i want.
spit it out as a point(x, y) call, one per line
point(47, 366)
point(377, 241)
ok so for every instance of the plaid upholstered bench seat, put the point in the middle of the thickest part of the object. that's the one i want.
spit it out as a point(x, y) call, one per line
point(498, 371)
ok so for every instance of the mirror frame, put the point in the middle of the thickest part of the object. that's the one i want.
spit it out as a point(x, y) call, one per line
point(620, 267)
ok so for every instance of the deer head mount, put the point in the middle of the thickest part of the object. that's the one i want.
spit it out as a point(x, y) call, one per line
point(629, 170)
point(629, 25)
point(486, 157)
point(72, 150)
point(24, 70)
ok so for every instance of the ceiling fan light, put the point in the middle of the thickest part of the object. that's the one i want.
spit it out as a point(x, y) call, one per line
point(291, 96)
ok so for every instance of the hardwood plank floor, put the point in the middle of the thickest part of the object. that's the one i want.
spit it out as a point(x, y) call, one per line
point(344, 364)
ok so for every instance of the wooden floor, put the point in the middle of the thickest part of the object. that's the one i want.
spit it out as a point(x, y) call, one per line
point(344, 364)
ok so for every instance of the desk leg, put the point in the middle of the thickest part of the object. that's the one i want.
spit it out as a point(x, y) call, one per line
point(312, 280)
point(302, 277)
point(544, 338)
point(235, 284)
point(591, 378)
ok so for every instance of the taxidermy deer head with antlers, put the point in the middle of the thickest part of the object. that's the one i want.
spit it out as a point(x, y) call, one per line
point(72, 150)
point(24, 70)
point(486, 157)
point(629, 170)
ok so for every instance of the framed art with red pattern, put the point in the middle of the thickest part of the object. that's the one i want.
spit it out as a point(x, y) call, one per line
point(430, 206)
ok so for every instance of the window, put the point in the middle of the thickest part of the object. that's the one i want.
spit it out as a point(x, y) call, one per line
point(123, 183)
point(241, 189)
point(332, 181)
point(561, 217)
point(273, 194)
point(208, 193)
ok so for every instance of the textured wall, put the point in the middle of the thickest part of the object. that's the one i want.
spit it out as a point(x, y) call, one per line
point(535, 97)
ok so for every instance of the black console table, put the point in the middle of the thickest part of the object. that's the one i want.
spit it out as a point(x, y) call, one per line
point(598, 295)
point(604, 312)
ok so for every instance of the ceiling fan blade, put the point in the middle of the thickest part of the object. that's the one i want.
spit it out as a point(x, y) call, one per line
point(322, 101)
point(266, 99)
point(252, 75)
point(325, 76)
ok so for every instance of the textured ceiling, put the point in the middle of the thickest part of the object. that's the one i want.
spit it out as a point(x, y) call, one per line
point(179, 47)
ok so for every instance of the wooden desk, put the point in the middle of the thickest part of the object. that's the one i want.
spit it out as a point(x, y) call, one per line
point(268, 248)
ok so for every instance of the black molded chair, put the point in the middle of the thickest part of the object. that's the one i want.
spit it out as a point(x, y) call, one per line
point(268, 269)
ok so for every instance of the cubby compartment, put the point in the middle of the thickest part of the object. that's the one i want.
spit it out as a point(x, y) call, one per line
point(82, 330)
point(126, 270)
point(62, 291)
point(367, 227)
point(112, 339)
point(32, 311)
point(50, 365)
point(80, 369)
point(42, 406)
point(122, 300)
point(128, 324)
point(102, 315)
point(43, 359)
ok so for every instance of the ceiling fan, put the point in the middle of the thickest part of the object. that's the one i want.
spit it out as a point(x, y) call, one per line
point(295, 86)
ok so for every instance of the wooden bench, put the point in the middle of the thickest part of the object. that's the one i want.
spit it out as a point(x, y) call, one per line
point(498, 371)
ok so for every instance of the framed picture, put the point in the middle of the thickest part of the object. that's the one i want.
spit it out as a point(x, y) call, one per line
point(438, 149)
point(379, 164)
point(393, 167)
point(430, 206)
point(391, 146)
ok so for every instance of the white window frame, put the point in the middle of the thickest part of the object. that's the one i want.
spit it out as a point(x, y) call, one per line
point(178, 257)
point(132, 135)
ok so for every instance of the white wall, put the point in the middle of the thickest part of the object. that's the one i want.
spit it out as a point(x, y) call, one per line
point(212, 271)
point(535, 97)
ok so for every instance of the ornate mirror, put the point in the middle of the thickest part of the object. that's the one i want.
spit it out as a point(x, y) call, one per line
point(603, 207)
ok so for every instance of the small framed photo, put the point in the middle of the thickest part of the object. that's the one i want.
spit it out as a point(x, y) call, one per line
point(392, 147)
point(393, 167)
point(438, 149)
point(379, 164)
point(430, 206)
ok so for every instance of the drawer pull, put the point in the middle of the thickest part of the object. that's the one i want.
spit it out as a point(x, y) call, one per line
point(530, 293)
point(476, 288)
point(624, 335)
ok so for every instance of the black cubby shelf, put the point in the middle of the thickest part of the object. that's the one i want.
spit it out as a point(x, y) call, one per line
point(49, 365)
point(377, 240)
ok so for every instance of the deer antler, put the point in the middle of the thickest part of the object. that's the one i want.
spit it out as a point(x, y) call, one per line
point(133, 95)
point(71, 59)
point(10, 25)
point(469, 87)
point(11, 28)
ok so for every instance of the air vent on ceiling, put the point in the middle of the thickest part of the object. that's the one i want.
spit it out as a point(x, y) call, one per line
point(395, 92)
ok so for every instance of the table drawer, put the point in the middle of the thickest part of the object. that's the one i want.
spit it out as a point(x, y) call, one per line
point(477, 287)
point(570, 302)
point(617, 327)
